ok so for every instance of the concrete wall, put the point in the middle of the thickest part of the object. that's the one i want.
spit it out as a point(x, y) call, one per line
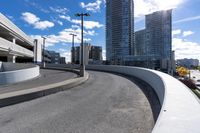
point(14, 48)
point(7, 24)
point(17, 66)
point(1, 68)
point(180, 107)
point(14, 73)
point(38, 51)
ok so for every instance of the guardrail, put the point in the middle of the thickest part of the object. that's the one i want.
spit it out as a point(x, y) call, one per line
point(180, 112)
point(18, 72)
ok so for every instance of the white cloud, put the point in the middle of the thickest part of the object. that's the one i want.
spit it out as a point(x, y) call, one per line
point(187, 19)
point(59, 10)
point(93, 6)
point(87, 24)
point(185, 49)
point(37, 6)
point(187, 33)
point(48, 43)
point(143, 7)
point(176, 32)
point(68, 18)
point(32, 19)
point(64, 37)
point(62, 50)
point(60, 23)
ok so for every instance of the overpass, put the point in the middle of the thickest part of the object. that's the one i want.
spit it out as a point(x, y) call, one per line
point(108, 103)
point(14, 43)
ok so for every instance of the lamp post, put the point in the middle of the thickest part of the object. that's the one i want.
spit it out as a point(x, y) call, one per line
point(73, 58)
point(44, 38)
point(82, 65)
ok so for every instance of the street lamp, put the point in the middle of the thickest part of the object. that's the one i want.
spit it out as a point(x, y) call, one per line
point(73, 54)
point(82, 65)
point(44, 38)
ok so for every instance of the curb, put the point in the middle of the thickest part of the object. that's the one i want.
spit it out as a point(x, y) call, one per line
point(15, 97)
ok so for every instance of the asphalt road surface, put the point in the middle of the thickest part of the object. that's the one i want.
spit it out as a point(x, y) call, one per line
point(47, 76)
point(106, 103)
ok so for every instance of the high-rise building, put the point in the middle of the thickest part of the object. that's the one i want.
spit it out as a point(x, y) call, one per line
point(62, 60)
point(158, 38)
point(77, 55)
point(119, 29)
point(92, 54)
point(140, 47)
point(55, 57)
point(95, 53)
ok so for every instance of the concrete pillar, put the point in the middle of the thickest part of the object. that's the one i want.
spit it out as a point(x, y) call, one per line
point(14, 40)
point(11, 58)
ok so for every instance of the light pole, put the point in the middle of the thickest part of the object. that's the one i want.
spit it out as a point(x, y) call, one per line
point(44, 38)
point(73, 58)
point(82, 65)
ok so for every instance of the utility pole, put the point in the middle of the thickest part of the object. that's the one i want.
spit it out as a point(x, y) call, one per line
point(82, 65)
point(73, 54)
point(44, 38)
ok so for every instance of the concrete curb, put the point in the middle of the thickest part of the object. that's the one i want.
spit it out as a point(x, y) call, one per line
point(33, 93)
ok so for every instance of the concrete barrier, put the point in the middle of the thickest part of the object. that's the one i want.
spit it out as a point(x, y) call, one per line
point(1, 69)
point(14, 73)
point(180, 107)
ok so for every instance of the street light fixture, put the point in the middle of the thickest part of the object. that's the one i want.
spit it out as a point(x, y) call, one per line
point(44, 38)
point(73, 54)
point(82, 65)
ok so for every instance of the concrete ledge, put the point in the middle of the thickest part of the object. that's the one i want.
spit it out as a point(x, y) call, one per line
point(29, 94)
point(1, 68)
point(180, 107)
point(13, 73)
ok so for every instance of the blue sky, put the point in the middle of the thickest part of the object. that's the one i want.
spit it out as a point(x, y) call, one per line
point(55, 19)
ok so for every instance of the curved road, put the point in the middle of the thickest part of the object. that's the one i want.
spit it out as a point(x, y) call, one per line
point(106, 103)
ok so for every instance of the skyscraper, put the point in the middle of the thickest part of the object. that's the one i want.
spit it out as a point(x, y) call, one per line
point(158, 39)
point(140, 47)
point(119, 29)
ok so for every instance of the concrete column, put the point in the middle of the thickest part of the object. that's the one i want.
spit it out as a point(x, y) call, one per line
point(14, 40)
point(11, 58)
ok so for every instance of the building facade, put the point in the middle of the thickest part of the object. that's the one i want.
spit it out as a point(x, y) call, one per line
point(92, 54)
point(159, 38)
point(119, 29)
point(62, 60)
point(188, 63)
point(15, 45)
point(55, 57)
point(95, 53)
point(140, 47)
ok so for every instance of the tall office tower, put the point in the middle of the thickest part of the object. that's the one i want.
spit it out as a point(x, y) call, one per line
point(95, 53)
point(158, 39)
point(119, 29)
point(140, 47)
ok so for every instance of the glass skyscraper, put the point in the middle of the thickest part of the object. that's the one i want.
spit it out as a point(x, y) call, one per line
point(119, 30)
point(158, 38)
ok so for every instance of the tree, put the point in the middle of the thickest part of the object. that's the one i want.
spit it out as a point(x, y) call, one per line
point(182, 71)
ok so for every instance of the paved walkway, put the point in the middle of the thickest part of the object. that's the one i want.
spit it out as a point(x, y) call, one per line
point(47, 77)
